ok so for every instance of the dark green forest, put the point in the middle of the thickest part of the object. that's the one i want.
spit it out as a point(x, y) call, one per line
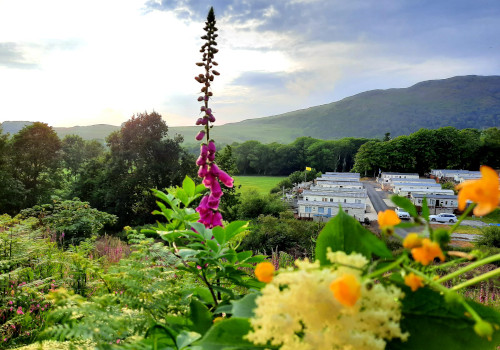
point(117, 177)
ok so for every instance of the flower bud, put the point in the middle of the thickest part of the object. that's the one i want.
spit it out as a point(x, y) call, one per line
point(225, 178)
point(200, 98)
point(200, 135)
point(211, 118)
point(203, 108)
point(211, 146)
point(203, 150)
point(215, 63)
point(203, 171)
point(200, 64)
point(215, 72)
point(201, 161)
point(199, 121)
point(211, 157)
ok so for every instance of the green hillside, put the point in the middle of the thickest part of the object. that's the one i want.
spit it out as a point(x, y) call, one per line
point(461, 102)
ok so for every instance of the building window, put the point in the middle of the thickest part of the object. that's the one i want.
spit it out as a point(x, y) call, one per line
point(308, 209)
point(358, 201)
point(321, 210)
point(331, 199)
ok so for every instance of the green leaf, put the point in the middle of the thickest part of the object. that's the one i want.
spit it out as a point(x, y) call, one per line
point(213, 245)
point(219, 234)
point(160, 336)
point(229, 334)
point(242, 256)
point(345, 233)
point(186, 338)
point(189, 186)
point(234, 228)
point(244, 307)
point(186, 253)
point(425, 209)
point(182, 195)
point(200, 188)
point(435, 324)
point(200, 316)
point(406, 204)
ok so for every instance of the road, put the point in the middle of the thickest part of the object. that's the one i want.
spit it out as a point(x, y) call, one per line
point(377, 199)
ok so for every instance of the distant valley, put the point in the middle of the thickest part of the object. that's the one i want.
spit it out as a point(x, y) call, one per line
point(461, 102)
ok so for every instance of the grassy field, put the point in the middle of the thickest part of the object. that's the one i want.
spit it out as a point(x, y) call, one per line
point(262, 184)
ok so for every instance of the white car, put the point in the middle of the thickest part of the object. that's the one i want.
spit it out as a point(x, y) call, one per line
point(402, 214)
point(443, 217)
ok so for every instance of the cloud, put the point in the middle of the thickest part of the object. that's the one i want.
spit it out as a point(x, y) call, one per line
point(13, 55)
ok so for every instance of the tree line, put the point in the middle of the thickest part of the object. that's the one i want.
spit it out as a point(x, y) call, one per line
point(421, 151)
point(36, 165)
point(255, 158)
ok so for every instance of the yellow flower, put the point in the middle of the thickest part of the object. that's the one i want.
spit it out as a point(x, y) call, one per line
point(388, 218)
point(412, 240)
point(264, 272)
point(427, 252)
point(484, 192)
point(413, 281)
point(346, 289)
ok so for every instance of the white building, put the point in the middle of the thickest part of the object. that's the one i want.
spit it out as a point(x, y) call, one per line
point(437, 203)
point(409, 186)
point(432, 191)
point(323, 211)
point(339, 184)
point(336, 197)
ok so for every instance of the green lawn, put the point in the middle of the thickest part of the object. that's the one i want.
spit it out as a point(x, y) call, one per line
point(262, 184)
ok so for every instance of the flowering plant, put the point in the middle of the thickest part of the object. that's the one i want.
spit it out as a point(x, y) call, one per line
point(355, 295)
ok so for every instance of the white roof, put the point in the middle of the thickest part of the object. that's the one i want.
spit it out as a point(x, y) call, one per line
point(332, 204)
point(335, 194)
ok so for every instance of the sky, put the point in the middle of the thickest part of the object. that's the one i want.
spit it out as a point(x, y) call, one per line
point(67, 62)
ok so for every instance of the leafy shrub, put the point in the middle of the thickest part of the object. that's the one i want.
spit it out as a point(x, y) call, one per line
point(253, 204)
point(72, 220)
point(490, 237)
point(284, 234)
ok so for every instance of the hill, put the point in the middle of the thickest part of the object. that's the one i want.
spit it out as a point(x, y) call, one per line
point(462, 102)
point(92, 132)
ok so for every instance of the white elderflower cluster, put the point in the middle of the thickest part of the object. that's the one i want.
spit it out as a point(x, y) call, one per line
point(298, 311)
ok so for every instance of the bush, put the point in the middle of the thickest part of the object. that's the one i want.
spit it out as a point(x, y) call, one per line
point(253, 204)
point(295, 237)
point(490, 237)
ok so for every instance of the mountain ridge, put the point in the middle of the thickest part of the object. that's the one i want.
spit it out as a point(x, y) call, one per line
point(463, 102)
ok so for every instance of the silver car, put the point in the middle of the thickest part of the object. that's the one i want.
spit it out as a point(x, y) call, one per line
point(443, 217)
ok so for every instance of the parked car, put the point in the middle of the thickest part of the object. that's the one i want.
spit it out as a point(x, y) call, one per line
point(443, 217)
point(402, 214)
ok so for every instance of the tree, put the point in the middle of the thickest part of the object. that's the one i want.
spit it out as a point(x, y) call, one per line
point(36, 161)
point(141, 157)
point(11, 190)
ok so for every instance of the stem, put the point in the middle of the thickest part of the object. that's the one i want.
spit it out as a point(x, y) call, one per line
point(477, 279)
point(449, 263)
point(469, 267)
point(388, 267)
point(462, 217)
point(209, 287)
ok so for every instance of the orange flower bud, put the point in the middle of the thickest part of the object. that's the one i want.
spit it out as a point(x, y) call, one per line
point(412, 240)
point(346, 289)
point(388, 218)
point(485, 192)
point(427, 252)
point(413, 281)
point(264, 272)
